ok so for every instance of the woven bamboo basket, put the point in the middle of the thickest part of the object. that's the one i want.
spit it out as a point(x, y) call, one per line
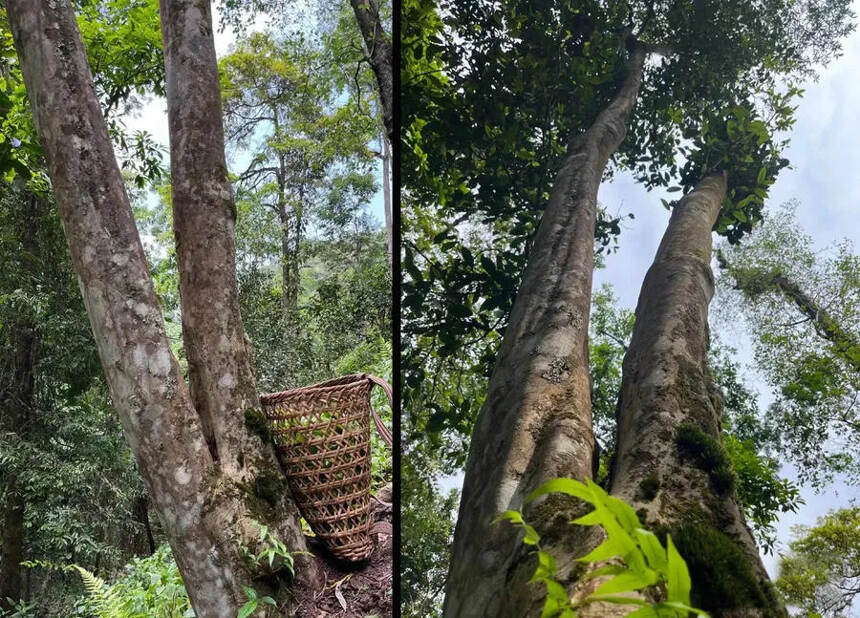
point(322, 434)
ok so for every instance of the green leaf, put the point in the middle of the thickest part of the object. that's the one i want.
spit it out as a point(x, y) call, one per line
point(651, 547)
point(609, 569)
point(515, 517)
point(623, 512)
point(570, 487)
point(546, 567)
point(628, 581)
point(678, 584)
point(247, 609)
point(606, 550)
point(646, 611)
point(532, 537)
point(590, 519)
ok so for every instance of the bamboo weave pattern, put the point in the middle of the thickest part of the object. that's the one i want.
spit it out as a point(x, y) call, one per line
point(322, 433)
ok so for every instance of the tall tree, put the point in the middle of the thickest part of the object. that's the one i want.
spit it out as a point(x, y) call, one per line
point(377, 43)
point(209, 475)
point(802, 306)
point(820, 574)
point(307, 148)
point(539, 393)
point(669, 418)
point(536, 421)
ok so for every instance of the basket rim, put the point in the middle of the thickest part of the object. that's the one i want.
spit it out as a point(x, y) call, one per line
point(320, 387)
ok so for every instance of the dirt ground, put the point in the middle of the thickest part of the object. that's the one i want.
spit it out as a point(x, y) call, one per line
point(357, 591)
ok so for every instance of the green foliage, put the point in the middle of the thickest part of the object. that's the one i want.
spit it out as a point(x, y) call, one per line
point(740, 143)
point(258, 424)
point(636, 559)
point(649, 487)
point(374, 356)
point(820, 574)
point(802, 306)
point(761, 491)
point(149, 587)
point(708, 455)
point(427, 524)
point(272, 551)
point(253, 602)
point(610, 329)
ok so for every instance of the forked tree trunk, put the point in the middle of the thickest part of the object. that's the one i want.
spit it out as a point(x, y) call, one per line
point(536, 422)
point(670, 464)
point(379, 52)
point(206, 499)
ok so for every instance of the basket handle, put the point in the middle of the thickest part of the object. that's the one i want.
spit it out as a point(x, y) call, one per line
point(380, 427)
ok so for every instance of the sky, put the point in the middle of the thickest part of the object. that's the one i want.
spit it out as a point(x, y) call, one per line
point(825, 157)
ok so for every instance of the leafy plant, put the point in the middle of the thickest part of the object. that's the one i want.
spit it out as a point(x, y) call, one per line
point(273, 548)
point(632, 556)
point(253, 602)
point(150, 587)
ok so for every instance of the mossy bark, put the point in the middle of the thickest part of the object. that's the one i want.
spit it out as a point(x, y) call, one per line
point(669, 421)
point(536, 422)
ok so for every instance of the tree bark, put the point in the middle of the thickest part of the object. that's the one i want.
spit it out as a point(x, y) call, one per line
point(536, 422)
point(386, 198)
point(144, 543)
point(379, 52)
point(670, 464)
point(206, 512)
point(204, 215)
point(223, 385)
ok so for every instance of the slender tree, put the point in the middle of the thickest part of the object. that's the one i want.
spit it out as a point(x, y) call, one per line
point(209, 475)
point(379, 53)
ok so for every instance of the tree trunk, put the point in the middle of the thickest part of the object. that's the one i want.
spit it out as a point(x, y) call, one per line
point(144, 544)
point(205, 510)
point(286, 267)
point(380, 56)
point(15, 407)
point(670, 464)
point(223, 385)
point(295, 262)
point(284, 218)
point(536, 422)
point(386, 198)
point(12, 549)
point(754, 281)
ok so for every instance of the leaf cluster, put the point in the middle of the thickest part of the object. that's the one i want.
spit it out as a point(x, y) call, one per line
point(631, 558)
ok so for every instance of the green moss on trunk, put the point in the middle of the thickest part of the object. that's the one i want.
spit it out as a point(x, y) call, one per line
point(708, 455)
point(258, 424)
point(723, 577)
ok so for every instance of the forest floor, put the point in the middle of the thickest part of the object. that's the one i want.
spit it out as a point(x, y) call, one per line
point(357, 591)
